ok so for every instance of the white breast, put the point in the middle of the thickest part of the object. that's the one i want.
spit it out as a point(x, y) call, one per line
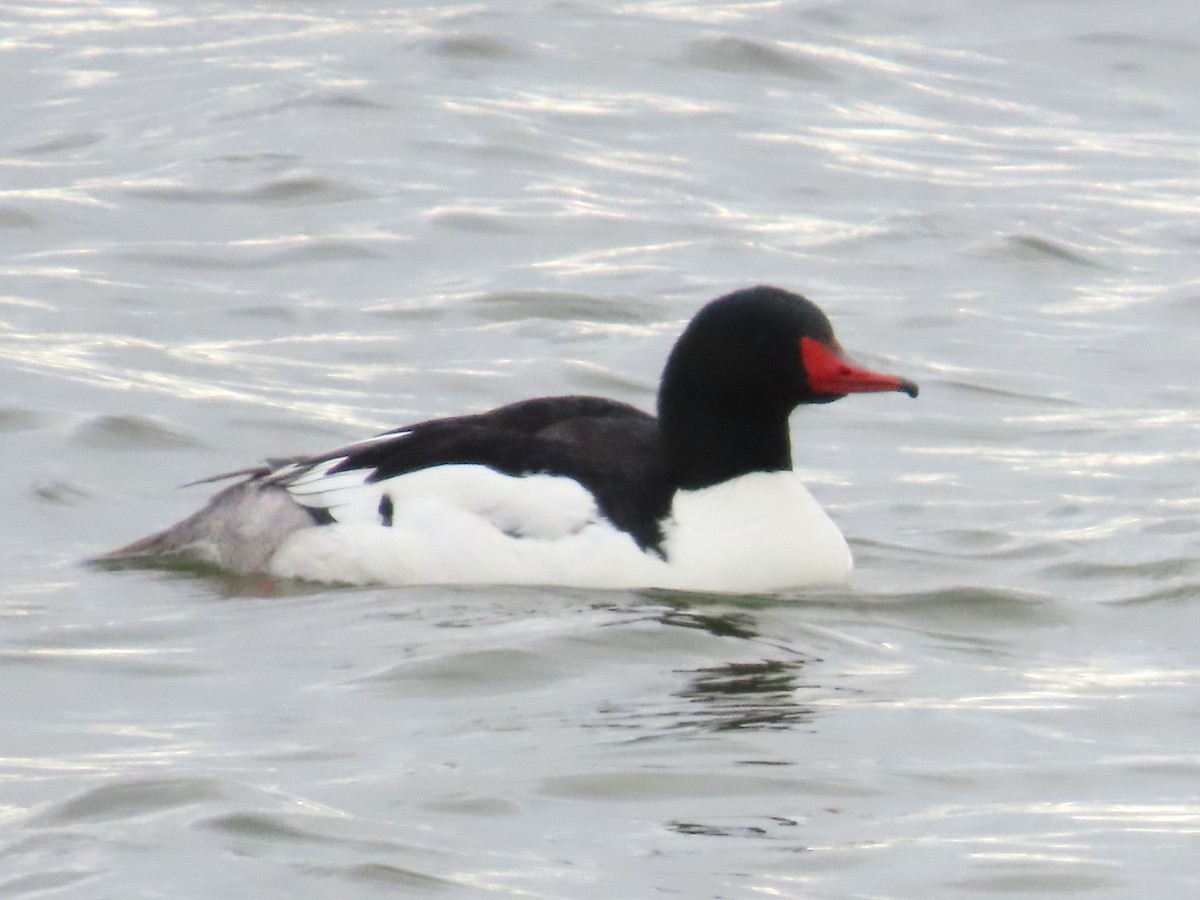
point(470, 524)
point(760, 532)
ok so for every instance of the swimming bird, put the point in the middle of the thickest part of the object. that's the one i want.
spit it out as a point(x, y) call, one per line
point(568, 490)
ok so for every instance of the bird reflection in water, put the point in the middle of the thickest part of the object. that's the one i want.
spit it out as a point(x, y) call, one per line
point(757, 694)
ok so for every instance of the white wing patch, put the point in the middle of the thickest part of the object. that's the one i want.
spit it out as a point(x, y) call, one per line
point(345, 495)
point(541, 506)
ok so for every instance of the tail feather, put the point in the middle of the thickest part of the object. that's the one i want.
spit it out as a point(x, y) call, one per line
point(239, 530)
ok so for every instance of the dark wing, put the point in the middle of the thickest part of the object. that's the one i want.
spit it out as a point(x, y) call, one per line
point(612, 449)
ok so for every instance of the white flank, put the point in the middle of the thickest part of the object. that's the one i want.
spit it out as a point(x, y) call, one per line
point(472, 525)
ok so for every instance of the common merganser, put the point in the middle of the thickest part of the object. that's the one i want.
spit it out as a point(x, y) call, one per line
point(570, 490)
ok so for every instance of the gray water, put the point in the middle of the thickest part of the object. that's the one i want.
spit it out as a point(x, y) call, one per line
point(234, 231)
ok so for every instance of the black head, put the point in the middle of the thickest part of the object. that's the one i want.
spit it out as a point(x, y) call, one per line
point(743, 363)
point(766, 348)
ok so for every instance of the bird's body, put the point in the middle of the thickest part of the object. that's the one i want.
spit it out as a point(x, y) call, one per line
point(569, 490)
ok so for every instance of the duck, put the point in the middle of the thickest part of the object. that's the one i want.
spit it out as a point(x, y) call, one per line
point(574, 491)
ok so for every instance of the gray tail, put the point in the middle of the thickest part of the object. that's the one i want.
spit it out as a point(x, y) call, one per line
point(238, 530)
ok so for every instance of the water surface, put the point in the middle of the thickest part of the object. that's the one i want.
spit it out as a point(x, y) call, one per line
point(230, 233)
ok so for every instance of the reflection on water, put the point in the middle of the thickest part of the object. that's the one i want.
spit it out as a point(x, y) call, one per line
point(735, 624)
point(746, 695)
point(773, 827)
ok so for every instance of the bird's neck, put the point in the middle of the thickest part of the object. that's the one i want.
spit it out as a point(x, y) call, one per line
point(708, 446)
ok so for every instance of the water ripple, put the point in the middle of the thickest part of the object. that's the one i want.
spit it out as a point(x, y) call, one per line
point(744, 56)
point(231, 231)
